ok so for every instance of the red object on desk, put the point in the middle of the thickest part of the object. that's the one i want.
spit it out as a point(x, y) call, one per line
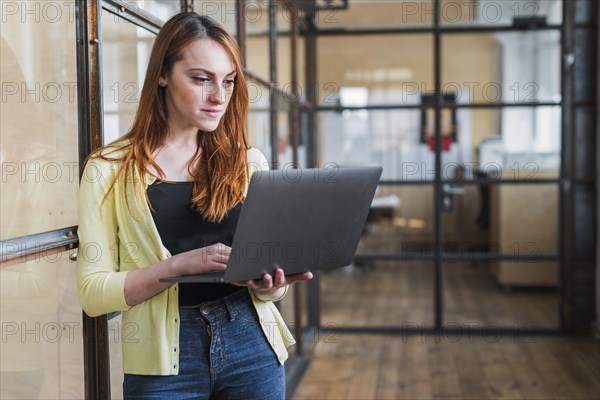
point(446, 141)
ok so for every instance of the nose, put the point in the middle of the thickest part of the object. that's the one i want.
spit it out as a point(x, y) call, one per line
point(216, 94)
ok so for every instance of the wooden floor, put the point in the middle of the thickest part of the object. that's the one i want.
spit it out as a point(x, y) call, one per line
point(402, 294)
point(421, 366)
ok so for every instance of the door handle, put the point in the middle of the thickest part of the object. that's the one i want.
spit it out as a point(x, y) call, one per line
point(452, 190)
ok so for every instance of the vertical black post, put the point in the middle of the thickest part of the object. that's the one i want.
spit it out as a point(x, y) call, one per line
point(578, 180)
point(439, 227)
point(565, 198)
point(310, 44)
point(597, 327)
point(597, 322)
point(295, 117)
point(313, 291)
point(273, 106)
point(295, 133)
point(89, 104)
point(240, 23)
point(186, 5)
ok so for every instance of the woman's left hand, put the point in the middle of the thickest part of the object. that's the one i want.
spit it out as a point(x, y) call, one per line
point(269, 287)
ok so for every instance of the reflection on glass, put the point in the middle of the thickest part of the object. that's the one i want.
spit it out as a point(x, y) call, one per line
point(38, 118)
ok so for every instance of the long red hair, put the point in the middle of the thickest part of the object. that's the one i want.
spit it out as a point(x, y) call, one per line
point(220, 175)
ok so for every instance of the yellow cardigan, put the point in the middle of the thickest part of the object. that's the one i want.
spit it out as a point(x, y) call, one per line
point(118, 237)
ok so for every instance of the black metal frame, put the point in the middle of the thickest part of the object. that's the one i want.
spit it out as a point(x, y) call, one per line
point(137, 16)
point(89, 91)
point(440, 256)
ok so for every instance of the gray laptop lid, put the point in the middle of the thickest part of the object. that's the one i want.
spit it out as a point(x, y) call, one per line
point(301, 220)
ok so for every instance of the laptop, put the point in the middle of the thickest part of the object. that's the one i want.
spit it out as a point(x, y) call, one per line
point(298, 219)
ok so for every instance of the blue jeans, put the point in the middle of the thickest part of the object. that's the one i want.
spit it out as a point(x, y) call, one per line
point(223, 355)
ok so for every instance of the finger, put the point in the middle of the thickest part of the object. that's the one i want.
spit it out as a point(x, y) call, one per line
point(279, 277)
point(218, 248)
point(267, 282)
point(217, 266)
point(222, 248)
point(221, 258)
point(305, 276)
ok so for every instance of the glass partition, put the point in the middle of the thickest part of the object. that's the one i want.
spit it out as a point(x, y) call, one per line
point(397, 72)
point(42, 340)
point(221, 11)
point(522, 13)
point(39, 98)
point(126, 49)
point(502, 67)
point(511, 225)
point(378, 14)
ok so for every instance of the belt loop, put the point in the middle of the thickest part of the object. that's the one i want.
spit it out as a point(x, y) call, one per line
point(231, 309)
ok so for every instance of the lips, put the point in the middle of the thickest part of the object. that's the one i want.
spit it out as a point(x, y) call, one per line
point(211, 112)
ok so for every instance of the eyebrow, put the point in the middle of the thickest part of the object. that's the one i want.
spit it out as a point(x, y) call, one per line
point(207, 72)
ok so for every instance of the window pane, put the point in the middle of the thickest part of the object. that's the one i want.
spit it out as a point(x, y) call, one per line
point(518, 221)
point(391, 139)
point(256, 17)
point(507, 143)
point(509, 67)
point(500, 12)
point(223, 12)
point(42, 340)
point(397, 72)
point(126, 49)
point(38, 118)
point(362, 14)
point(161, 9)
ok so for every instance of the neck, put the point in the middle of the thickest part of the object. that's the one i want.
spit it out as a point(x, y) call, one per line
point(183, 139)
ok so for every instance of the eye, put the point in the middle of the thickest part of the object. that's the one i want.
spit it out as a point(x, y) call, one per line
point(200, 79)
point(228, 82)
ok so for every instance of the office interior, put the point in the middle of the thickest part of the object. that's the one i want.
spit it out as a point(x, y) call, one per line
point(477, 275)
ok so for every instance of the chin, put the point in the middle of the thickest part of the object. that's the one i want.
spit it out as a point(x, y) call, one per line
point(208, 127)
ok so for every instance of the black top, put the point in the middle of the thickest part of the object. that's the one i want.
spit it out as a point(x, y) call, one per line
point(181, 229)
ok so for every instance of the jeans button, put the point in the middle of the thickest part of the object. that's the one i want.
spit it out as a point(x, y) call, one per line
point(205, 311)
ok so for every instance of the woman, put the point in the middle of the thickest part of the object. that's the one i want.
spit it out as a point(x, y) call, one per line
point(163, 201)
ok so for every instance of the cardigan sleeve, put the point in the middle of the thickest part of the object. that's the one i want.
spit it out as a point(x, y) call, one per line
point(100, 282)
point(256, 161)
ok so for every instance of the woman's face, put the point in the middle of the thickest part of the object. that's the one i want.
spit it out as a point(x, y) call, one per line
point(199, 87)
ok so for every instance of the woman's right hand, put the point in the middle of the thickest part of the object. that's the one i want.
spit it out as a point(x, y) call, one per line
point(142, 284)
point(200, 261)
